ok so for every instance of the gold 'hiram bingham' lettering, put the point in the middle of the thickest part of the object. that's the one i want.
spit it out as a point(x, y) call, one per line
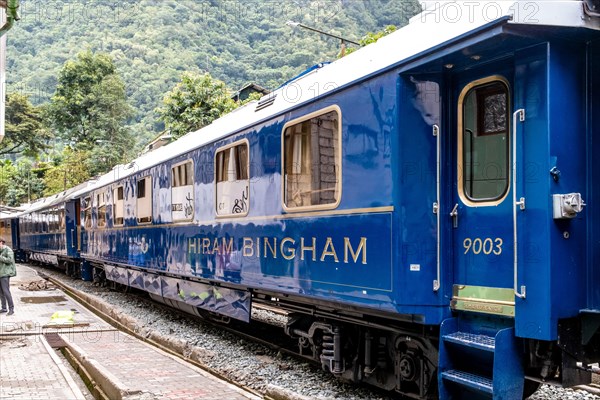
point(308, 248)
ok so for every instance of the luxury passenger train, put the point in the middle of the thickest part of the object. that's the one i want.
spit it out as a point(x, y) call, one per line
point(424, 207)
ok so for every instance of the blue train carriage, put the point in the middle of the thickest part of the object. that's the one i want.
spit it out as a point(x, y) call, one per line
point(417, 206)
point(48, 231)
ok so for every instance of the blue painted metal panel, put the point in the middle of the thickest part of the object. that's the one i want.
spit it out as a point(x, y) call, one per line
point(71, 219)
point(567, 73)
point(415, 174)
point(283, 259)
point(483, 222)
point(87, 271)
point(508, 371)
point(593, 166)
point(531, 93)
point(51, 243)
point(552, 266)
point(334, 257)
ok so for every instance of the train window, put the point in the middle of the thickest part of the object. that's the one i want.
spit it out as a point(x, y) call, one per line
point(233, 185)
point(87, 212)
point(118, 206)
point(484, 141)
point(311, 161)
point(101, 204)
point(44, 216)
point(62, 220)
point(50, 217)
point(144, 200)
point(182, 191)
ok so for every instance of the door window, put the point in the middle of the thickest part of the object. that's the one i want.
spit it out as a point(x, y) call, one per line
point(483, 142)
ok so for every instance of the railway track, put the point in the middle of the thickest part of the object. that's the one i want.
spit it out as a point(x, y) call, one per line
point(268, 342)
point(266, 337)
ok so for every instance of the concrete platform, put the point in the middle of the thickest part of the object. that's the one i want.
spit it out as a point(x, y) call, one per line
point(34, 309)
point(122, 366)
point(30, 369)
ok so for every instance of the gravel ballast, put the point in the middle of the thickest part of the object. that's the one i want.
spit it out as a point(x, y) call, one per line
point(240, 360)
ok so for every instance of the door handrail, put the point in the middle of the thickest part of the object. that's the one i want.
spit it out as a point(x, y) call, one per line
point(521, 203)
point(436, 206)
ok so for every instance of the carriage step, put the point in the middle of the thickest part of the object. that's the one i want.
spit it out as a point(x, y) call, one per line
point(476, 382)
point(481, 342)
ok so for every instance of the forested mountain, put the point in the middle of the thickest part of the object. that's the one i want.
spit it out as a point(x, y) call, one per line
point(153, 42)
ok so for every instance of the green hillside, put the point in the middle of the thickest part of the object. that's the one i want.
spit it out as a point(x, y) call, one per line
point(153, 42)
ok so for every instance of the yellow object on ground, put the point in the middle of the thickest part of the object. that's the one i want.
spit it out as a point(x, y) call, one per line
point(62, 318)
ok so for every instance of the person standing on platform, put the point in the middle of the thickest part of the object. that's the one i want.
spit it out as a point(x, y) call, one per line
point(7, 270)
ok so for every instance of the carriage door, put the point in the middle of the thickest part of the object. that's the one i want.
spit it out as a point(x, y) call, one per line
point(481, 212)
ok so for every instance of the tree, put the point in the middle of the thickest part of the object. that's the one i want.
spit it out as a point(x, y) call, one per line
point(25, 184)
point(69, 170)
point(7, 173)
point(371, 37)
point(90, 107)
point(193, 103)
point(252, 97)
point(25, 132)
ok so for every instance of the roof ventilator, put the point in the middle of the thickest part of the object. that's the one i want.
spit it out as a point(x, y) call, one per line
point(265, 102)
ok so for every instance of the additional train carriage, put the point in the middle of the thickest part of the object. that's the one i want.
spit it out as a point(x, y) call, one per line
point(49, 231)
point(417, 206)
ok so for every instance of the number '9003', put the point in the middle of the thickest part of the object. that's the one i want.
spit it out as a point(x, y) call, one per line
point(486, 246)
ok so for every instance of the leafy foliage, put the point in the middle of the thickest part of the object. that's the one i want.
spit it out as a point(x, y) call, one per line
point(25, 133)
point(89, 107)
point(152, 42)
point(194, 102)
point(7, 173)
point(20, 183)
point(371, 37)
point(69, 170)
point(252, 97)
point(85, 63)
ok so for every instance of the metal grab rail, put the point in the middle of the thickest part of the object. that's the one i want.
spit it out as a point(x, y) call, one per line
point(436, 205)
point(521, 203)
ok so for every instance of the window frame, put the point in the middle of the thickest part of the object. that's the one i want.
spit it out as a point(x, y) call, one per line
point(217, 171)
point(147, 192)
point(87, 210)
point(115, 198)
point(192, 178)
point(460, 160)
point(62, 218)
point(101, 208)
point(338, 189)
